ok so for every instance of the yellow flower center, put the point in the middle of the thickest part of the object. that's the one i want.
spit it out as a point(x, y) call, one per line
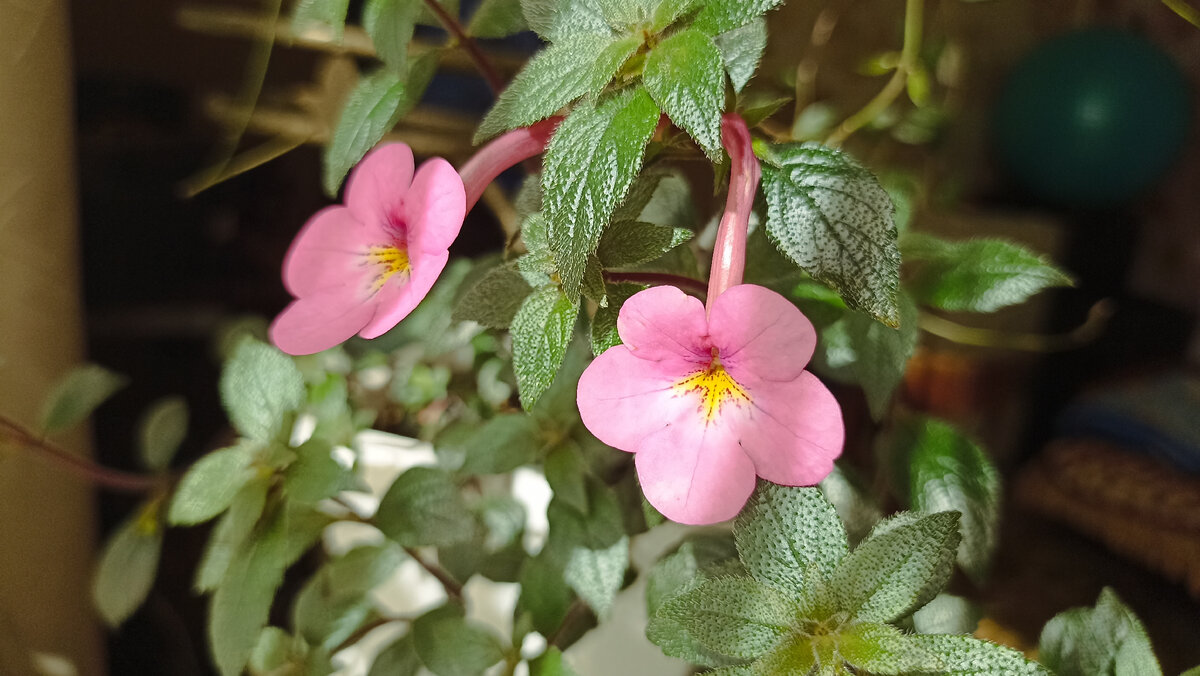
point(388, 261)
point(715, 388)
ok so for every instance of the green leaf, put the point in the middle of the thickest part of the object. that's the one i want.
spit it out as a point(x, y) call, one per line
point(544, 595)
point(315, 475)
point(668, 12)
point(978, 275)
point(833, 219)
point(390, 23)
point(211, 484)
point(241, 604)
point(449, 645)
point(554, 20)
point(698, 559)
point(590, 164)
point(593, 287)
point(604, 323)
point(720, 16)
point(497, 19)
point(880, 353)
point(561, 73)
point(160, 432)
point(423, 507)
point(597, 574)
point(541, 332)
point(551, 663)
point(329, 14)
point(884, 649)
point(734, 616)
point(968, 656)
point(375, 106)
point(790, 538)
point(630, 243)
point(684, 75)
point(1194, 671)
point(567, 476)
point(1106, 640)
point(855, 505)
point(274, 648)
point(260, 387)
point(503, 444)
point(127, 566)
point(947, 614)
point(335, 603)
point(494, 300)
point(892, 574)
point(742, 50)
point(232, 530)
point(398, 659)
point(948, 472)
point(599, 527)
point(77, 395)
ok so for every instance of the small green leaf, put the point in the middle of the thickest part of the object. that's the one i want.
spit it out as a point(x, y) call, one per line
point(330, 14)
point(77, 395)
point(335, 602)
point(947, 614)
point(721, 16)
point(833, 219)
point(734, 616)
point(969, 656)
point(497, 19)
point(494, 300)
point(390, 24)
point(884, 649)
point(260, 387)
point(161, 431)
point(555, 20)
point(502, 444)
point(423, 507)
point(918, 85)
point(684, 75)
point(590, 164)
point(567, 476)
point(375, 106)
point(668, 12)
point(604, 323)
point(880, 353)
point(274, 648)
point(449, 645)
point(577, 65)
point(978, 275)
point(698, 559)
point(541, 332)
point(551, 663)
point(892, 574)
point(790, 538)
point(630, 243)
point(398, 659)
point(211, 484)
point(597, 574)
point(127, 566)
point(946, 471)
point(315, 475)
point(545, 596)
point(232, 530)
point(1108, 639)
point(741, 50)
point(1194, 671)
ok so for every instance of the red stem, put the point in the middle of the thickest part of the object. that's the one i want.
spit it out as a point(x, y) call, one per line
point(656, 278)
point(451, 24)
point(112, 479)
point(509, 150)
point(729, 251)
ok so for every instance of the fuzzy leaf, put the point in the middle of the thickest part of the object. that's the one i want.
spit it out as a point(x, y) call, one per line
point(497, 19)
point(978, 275)
point(668, 12)
point(597, 574)
point(892, 574)
point(315, 475)
point(424, 508)
point(502, 444)
point(833, 219)
point(390, 24)
point(231, 531)
point(260, 387)
point(541, 332)
point(883, 649)
point(684, 75)
point(127, 567)
point(698, 559)
point(561, 73)
point(554, 20)
point(494, 300)
point(160, 432)
point(969, 656)
point(720, 16)
point(855, 505)
point(375, 106)
point(1106, 640)
point(211, 484)
point(604, 323)
point(742, 50)
point(790, 538)
point(880, 353)
point(734, 616)
point(450, 645)
point(77, 395)
point(629, 243)
point(590, 164)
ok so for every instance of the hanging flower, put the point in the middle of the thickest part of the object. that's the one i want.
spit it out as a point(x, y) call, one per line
point(708, 403)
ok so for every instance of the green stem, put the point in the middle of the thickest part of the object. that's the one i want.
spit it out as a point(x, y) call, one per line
point(1089, 330)
point(454, 588)
point(914, 22)
point(455, 28)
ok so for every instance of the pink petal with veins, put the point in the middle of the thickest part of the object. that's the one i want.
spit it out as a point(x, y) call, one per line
point(435, 207)
point(760, 334)
point(793, 430)
point(376, 188)
point(664, 323)
point(328, 252)
point(624, 399)
point(695, 474)
point(319, 322)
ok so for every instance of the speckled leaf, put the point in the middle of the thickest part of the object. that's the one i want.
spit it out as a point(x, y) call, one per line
point(1108, 639)
point(541, 333)
point(741, 50)
point(260, 386)
point(590, 164)
point(423, 507)
point(880, 353)
point(604, 323)
point(790, 538)
point(883, 649)
point(947, 614)
point(668, 12)
point(684, 75)
point(630, 243)
point(892, 574)
point(597, 574)
point(720, 16)
point(833, 219)
point(978, 275)
point(969, 656)
point(554, 20)
point(494, 300)
point(497, 19)
point(854, 502)
point(734, 616)
point(568, 69)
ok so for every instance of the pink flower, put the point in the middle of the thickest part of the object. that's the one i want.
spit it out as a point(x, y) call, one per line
point(362, 267)
point(708, 403)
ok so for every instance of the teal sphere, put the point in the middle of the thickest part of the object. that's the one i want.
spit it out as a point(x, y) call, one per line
point(1093, 118)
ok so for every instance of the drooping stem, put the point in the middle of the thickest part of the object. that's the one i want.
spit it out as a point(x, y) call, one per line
point(454, 588)
point(510, 149)
point(655, 278)
point(455, 28)
point(729, 250)
point(914, 23)
point(105, 477)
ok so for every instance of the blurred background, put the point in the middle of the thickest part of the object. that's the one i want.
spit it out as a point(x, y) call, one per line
point(1068, 126)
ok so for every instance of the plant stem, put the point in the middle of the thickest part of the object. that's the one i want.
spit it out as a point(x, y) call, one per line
point(914, 22)
point(577, 610)
point(454, 588)
point(1089, 330)
point(455, 28)
point(657, 278)
point(105, 477)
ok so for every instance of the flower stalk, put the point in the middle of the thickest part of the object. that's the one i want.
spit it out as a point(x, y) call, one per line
point(729, 250)
point(506, 151)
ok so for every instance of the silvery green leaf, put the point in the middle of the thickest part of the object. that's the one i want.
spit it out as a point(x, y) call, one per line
point(260, 388)
point(423, 507)
point(969, 656)
point(493, 301)
point(741, 50)
point(211, 484)
point(541, 332)
point(737, 617)
point(450, 645)
point(497, 19)
point(554, 20)
point(883, 649)
point(375, 105)
point(721, 16)
point(1108, 640)
point(597, 574)
point(684, 75)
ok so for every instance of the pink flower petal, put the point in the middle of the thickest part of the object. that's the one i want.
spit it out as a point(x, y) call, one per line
point(664, 323)
point(328, 252)
point(623, 399)
point(759, 333)
point(377, 187)
point(792, 430)
point(695, 474)
point(317, 323)
point(435, 206)
point(401, 294)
